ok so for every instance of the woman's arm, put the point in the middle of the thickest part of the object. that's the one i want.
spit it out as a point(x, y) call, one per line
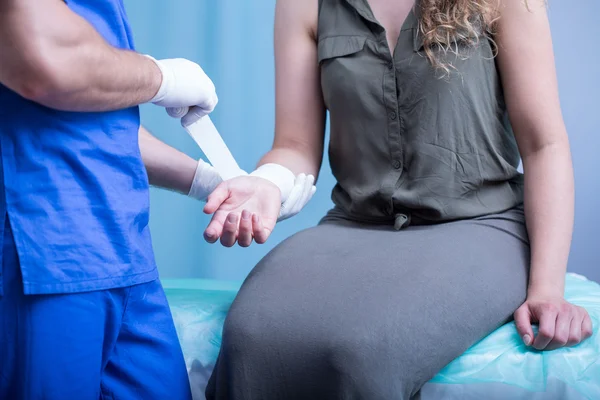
point(300, 113)
point(526, 63)
point(299, 132)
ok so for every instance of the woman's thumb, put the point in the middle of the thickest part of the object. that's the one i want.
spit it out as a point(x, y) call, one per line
point(523, 324)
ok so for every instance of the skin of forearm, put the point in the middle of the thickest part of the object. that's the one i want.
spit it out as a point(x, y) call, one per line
point(167, 167)
point(549, 210)
point(295, 159)
point(52, 56)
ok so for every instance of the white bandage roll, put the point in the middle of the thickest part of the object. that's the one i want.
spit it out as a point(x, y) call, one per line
point(279, 175)
point(177, 112)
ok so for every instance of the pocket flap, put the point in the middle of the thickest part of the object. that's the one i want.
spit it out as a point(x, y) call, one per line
point(339, 46)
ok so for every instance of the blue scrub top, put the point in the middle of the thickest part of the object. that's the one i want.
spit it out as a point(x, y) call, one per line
point(74, 185)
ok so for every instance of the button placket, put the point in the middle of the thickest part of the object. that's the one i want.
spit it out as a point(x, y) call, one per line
point(394, 120)
point(392, 117)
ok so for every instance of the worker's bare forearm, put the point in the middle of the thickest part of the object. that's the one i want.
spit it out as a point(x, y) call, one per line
point(52, 56)
point(167, 168)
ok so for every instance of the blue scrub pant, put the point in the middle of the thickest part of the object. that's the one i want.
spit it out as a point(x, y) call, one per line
point(110, 344)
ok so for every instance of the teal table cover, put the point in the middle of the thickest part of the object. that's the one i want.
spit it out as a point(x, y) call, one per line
point(498, 367)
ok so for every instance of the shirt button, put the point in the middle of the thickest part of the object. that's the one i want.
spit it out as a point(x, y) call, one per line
point(401, 221)
point(397, 164)
point(392, 115)
point(390, 66)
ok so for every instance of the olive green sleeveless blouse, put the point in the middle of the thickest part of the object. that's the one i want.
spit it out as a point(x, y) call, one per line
point(406, 145)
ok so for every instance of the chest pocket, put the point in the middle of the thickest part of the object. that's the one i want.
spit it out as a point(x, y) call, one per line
point(343, 70)
point(339, 46)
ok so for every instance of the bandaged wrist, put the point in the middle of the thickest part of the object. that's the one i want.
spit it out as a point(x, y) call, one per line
point(165, 85)
point(279, 175)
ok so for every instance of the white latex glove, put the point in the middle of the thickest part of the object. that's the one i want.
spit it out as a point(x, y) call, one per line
point(184, 84)
point(188, 115)
point(296, 191)
point(301, 193)
point(207, 179)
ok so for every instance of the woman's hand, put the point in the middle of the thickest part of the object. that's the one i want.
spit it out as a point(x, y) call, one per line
point(560, 322)
point(245, 208)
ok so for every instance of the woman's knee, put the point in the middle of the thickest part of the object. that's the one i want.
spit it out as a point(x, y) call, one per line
point(374, 366)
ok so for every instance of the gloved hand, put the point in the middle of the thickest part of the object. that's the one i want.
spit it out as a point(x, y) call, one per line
point(188, 115)
point(184, 84)
point(296, 192)
point(207, 179)
point(300, 195)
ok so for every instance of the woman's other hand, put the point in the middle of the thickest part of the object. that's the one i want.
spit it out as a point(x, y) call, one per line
point(561, 324)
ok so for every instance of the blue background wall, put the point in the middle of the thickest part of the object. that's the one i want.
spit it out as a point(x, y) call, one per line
point(235, 49)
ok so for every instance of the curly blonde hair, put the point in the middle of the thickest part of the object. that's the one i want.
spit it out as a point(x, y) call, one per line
point(449, 25)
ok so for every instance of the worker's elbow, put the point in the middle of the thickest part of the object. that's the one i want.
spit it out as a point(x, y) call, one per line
point(39, 89)
point(41, 82)
point(33, 89)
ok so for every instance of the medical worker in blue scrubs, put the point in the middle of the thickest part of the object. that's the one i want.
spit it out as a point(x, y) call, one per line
point(82, 313)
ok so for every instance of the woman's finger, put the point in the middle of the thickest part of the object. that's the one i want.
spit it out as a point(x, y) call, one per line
point(230, 230)
point(586, 326)
point(562, 329)
point(523, 323)
point(547, 326)
point(261, 234)
point(245, 230)
point(575, 329)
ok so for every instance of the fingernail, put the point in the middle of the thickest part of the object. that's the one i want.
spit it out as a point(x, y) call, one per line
point(210, 234)
point(254, 218)
point(231, 218)
point(527, 340)
point(245, 214)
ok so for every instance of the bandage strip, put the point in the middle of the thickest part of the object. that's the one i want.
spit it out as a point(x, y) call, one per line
point(205, 134)
point(202, 130)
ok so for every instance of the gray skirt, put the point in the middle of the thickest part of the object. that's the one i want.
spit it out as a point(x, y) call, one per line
point(347, 310)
